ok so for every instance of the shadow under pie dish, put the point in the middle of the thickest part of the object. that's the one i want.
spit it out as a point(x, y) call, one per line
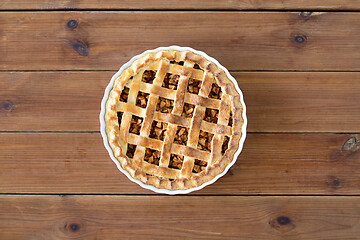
point(173, 120)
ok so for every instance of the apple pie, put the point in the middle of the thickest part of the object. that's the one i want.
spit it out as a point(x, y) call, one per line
point(173, 119)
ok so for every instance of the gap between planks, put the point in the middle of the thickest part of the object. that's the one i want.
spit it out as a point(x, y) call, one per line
point(248, 132)
point(231, 71)
point(180, 10)
point(178, 195)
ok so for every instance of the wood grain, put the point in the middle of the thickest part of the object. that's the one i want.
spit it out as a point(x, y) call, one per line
point(301, 102)
point(238, 40)
point(184, 4)
point(276, 101)
point(53, 101)
point(183, 217)
point(63, 153)
point(269, 164)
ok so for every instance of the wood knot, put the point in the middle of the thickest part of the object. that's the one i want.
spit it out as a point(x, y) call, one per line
point(346, 151)
point(300, 39)
point(7, 106)
point(282, 223)
point(72, 24)
point(81, 49)
point(305, 15)
point(351, 145)
point(73, 227)
point(282, 220)
point(333, 182)
point(336, 182)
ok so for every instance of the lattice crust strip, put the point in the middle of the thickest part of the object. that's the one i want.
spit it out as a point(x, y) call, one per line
point(175, 120)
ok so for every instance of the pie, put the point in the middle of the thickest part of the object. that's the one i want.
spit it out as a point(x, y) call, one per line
point(173, 119)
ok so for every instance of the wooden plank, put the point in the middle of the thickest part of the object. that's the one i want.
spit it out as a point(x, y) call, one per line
point(301, 102)
point(269, 164)
point(239, 40)
point(184, 4)
point(52, 101)
point(276, 101)
point(183, 217)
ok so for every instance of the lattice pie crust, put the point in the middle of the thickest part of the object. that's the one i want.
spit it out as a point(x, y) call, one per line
point(173, 119)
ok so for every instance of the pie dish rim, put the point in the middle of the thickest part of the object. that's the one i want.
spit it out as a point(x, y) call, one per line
point(105, 137)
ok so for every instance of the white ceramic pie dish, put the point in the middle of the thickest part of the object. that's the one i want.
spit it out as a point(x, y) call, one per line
point(105, 138)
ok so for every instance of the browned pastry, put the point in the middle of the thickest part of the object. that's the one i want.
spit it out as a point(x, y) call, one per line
point(173, 119)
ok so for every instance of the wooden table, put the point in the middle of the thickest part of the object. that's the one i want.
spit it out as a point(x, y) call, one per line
point(297, 63)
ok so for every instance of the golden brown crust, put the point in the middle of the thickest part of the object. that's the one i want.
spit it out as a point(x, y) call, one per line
point(161, 176)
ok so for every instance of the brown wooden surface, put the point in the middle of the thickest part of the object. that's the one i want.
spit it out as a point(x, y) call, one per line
point(281, 164)
point(298, 66)
point(182, 217)
point(183, 4)
point(238, 40)
point(276, 101)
